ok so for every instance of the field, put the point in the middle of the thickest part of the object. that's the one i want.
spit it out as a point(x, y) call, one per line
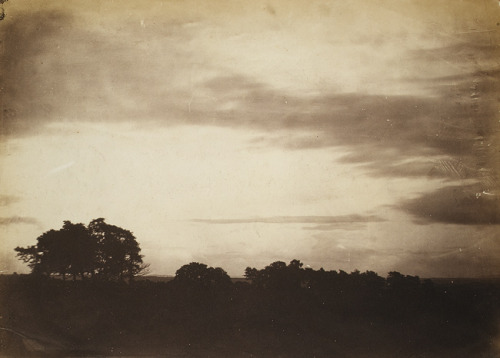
point(49, 317)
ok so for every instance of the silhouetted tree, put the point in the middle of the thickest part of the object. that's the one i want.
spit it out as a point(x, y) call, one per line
point(31, 256)
point(118, 253)
point(198, 275)
point(278, 275)
point(399, 282)
point(101, 250)
point(79, 247)
point(372, 281)
point(49, 256)
point(251, 274)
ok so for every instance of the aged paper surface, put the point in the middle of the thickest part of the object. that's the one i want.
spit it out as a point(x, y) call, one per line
point(351, 136)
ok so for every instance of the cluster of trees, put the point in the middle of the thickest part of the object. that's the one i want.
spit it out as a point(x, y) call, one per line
point(108, 252)
point(279, 310)
point(99, 250)
point(278, 275)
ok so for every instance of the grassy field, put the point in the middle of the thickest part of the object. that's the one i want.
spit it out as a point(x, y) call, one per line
point(158, 318)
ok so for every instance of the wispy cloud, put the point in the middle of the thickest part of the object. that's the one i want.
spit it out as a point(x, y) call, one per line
point(12, 220)
point(446, 115)
point(341, 219)
point(346, 226)
point(6, 200)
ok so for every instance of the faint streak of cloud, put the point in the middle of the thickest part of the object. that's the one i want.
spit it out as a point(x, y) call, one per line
point(6, 200)
point(349, 226)
point(4, 221)
point(340, 219)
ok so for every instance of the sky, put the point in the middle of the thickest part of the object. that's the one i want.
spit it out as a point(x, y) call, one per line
point(348, 135)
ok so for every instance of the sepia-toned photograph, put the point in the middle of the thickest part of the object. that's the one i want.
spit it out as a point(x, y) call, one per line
point(268, 178)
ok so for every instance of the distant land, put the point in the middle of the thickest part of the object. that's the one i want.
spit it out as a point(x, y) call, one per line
point(438, 280)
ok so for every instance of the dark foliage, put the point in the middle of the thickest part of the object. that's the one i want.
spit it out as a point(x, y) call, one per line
point(200, 276)
point(100, 250)
point(286, 311)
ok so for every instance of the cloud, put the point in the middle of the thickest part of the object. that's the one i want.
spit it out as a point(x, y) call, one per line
point(456, 204)
point(6, 200)
point(25, 38)
point(4, 221)
point(320, 220)
point(59, 68)
point(450, 132)
point(350, 226)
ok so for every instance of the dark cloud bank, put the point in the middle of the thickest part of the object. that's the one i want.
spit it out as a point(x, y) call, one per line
point(466, 204)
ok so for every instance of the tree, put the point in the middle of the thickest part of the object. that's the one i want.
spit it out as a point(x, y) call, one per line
point(99, 250)
point(198, 275)
point(118, 253)
point(49, 256)
point(277, 275)
point(80, 248)
point(31, 256)
point(252, 274)
point(400, 283)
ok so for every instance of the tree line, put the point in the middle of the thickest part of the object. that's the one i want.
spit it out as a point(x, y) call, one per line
point(280, 276)
point(108, 252)
point(282, 309)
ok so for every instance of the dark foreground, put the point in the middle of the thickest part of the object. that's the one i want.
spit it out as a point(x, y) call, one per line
point(49, 317)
